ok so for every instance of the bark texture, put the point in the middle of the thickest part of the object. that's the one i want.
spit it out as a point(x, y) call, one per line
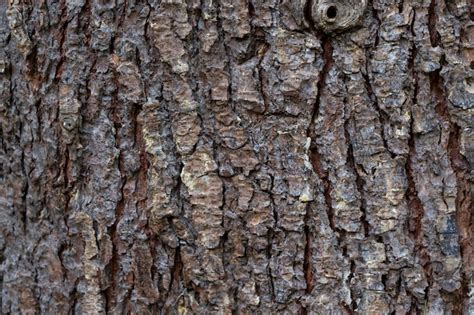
point(236, 156)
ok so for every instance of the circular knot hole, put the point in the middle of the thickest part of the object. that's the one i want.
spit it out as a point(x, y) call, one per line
point(331, 12)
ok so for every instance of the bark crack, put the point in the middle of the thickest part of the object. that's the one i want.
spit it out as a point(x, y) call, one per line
point(460, 168)
point(434, 35)
point(383, 117)
point(314, 154)
point(359, 179)
point(315, 159)
point(307, 264)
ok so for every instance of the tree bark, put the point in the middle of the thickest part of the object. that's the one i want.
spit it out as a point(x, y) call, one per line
point(236, 156)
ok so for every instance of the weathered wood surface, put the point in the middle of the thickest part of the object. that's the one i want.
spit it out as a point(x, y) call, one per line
point(236, 156)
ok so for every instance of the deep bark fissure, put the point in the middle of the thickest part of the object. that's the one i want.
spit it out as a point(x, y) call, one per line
point(464, 216)
point(26, 185)
point(62, 37)
point(118, 108)
point(415, 226)
point(432, 20)
point(176, 269)
point(314, 154)
point(309, 16)
point(358, 179)
point(415, 206)
point(316, 163)
point(269, 250)
point(460, 169)
point(308, 265)
point(375, 16)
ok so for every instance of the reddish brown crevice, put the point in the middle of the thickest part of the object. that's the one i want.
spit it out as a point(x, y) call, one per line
point(416, 210)
point(24, 195)
point(464, 217)
point(464, 194)
point(434, 35)
point(60, 36)
point(416, 213)
point(328, 63)
point(176, 270)
point(308, 265)
point(138, 196)
point(120, 111)
point(317, 167)
point(262, 77)
point(314, 154)
point(322, 174)
point(114, 263)
point(142, 182)
point(141, 188)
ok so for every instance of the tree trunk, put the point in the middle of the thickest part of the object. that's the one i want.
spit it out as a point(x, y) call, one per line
point(236, 156)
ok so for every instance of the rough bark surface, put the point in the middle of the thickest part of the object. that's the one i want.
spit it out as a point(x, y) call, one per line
point(236, 156)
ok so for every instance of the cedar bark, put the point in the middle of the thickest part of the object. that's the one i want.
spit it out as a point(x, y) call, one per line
point(235, 156)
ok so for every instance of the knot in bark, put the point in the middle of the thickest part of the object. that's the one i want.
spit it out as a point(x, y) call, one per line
point(336, 15)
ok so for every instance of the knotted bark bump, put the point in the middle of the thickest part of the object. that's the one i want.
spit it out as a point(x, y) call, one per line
point(336, 15)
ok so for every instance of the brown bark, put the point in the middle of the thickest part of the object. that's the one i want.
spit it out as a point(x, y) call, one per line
point(231, 156)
